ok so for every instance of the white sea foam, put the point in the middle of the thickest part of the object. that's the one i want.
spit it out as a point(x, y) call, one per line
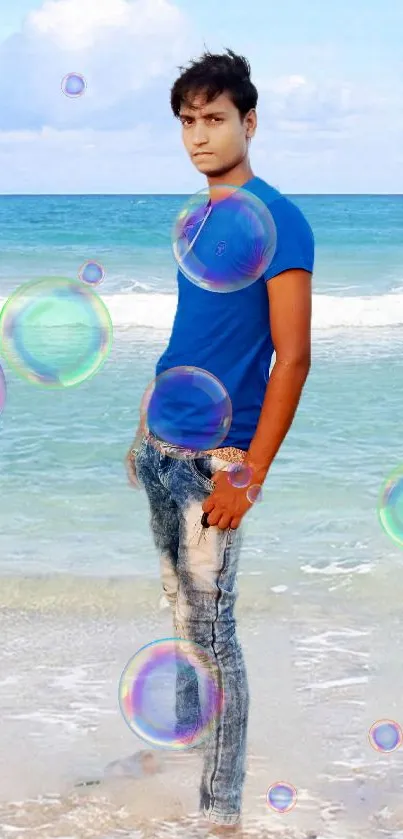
point(157, 311)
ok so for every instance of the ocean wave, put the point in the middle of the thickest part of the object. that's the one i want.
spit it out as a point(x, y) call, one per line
point(157, 311)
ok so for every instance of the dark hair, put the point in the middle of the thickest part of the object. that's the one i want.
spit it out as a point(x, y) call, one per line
point(211, 75)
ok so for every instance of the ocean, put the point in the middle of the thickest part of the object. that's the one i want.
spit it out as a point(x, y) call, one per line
point(320, 583)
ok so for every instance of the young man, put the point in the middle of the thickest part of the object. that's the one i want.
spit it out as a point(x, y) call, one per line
point(232, 336)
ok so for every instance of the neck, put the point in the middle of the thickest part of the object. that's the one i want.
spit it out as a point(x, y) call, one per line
point(238, 176)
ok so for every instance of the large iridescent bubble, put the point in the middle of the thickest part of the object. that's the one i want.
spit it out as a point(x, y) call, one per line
point(3, 389)
point(390, 507)
point(241, 252)
point(55, 332)
point(171, 693)
point(187, 408)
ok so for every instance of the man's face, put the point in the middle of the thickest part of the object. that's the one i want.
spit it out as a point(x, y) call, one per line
point(214, 135)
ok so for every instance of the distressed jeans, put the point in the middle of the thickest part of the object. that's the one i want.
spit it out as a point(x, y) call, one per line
point(198, 571)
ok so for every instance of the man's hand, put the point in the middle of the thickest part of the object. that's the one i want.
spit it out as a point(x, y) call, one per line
point(130, 459)
point(228, 504)
point(130, 465)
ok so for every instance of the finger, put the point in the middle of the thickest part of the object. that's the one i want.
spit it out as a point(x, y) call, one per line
point(235, 523)
point(133, 480)
point(208, 504)
point(131, 474)
point(214, 517)
point(224, 521)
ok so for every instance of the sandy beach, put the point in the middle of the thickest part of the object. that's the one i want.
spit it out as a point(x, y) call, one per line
point(322, 669)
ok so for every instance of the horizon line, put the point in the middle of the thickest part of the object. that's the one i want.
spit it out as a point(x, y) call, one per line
point(166, 194)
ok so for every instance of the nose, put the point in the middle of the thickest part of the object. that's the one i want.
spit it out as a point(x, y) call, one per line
point(199, 134)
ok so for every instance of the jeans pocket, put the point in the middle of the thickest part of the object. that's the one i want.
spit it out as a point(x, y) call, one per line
point(201, 468)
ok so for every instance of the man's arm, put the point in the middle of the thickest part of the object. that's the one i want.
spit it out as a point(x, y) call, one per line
point(290, 304)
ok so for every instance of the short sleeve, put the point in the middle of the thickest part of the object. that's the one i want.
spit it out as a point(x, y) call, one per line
point(295, 246)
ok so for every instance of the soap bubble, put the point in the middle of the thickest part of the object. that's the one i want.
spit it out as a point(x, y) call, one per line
point(91, 273)
point(390, 507)
point(55, 332)
point(281, 797)
point(3, 389)
point(239, 475)
point(188, 409)
point(385, 736)
point(235, 257)
point(73, 85)
point(254, 493)
point(171, 694)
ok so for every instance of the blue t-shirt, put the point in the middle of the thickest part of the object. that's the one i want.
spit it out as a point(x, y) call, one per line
point(228, 334)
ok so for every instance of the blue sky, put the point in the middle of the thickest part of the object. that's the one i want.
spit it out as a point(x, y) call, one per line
point(329, 76)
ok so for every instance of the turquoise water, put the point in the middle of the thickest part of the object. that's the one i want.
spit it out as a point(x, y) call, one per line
point(358, 240)
point(66, 505)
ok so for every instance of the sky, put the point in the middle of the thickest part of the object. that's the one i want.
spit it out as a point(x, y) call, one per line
point(329, 77)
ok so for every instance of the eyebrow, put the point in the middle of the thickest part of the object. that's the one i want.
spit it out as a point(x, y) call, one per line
point(212, 114)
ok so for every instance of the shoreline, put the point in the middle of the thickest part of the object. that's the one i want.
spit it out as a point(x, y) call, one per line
point(375, 588)
point(318, 678)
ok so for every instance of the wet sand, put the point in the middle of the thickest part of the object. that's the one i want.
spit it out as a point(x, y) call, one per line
point(323, 667)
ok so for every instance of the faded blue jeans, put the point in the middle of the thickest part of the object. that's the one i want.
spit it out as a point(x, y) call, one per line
point(198, 571)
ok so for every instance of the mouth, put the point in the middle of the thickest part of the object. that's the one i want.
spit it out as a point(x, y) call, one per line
point(202, 154)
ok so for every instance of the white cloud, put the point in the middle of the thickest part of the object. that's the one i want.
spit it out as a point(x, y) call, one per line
point(138, 140)
point(125, 50)
point(120, 135)
point(294, 102)
point(128, 51)
point(77, 25)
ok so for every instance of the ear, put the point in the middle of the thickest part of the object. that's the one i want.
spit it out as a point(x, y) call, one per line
point(252, 124)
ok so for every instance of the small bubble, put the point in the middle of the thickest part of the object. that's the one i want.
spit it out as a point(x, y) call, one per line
point(239, 475)
point(91, 273)
point(73, 85)
point(281, 797)
point(385, 736)
point(254, 493)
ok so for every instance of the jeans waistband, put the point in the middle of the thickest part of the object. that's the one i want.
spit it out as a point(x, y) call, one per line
point(228, 453)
